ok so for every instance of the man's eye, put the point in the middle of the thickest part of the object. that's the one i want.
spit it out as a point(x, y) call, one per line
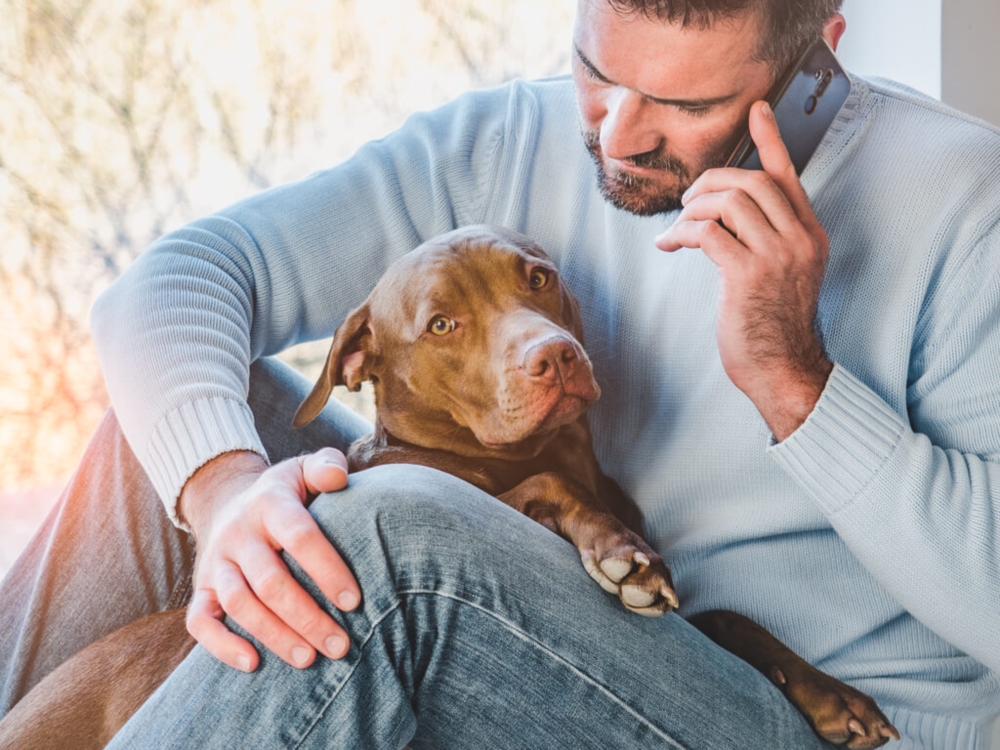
point(539, 278)
point(695, 111)
point(441, 325)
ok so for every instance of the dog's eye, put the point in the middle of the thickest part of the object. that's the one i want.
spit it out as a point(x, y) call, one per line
point(441, 325)
point(539, 278)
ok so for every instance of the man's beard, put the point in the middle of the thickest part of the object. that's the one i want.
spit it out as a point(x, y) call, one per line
point(641, 195)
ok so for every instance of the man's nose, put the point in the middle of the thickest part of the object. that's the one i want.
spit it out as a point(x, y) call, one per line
point(626, 130)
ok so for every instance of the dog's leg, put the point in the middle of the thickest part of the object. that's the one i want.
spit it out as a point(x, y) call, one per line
point(614, 556)
point(837, 712)
point(87, 699)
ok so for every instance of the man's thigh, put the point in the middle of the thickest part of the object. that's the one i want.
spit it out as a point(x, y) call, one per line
point(510, 637)
point(276, 390)
point(478, 628)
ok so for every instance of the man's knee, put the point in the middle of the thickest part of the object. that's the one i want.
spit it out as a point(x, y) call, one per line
point(405, 507)
point(406, 528)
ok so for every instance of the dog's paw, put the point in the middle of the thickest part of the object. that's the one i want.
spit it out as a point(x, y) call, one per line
point(837, 712)
point(635, 573)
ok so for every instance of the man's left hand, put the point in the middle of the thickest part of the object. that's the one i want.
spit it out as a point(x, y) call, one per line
point(759, 228)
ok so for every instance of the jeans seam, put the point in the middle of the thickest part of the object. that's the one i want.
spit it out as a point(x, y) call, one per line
point(553, 655)
point(361, 646)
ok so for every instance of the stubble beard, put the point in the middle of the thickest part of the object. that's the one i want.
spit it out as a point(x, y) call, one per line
point(645, 196)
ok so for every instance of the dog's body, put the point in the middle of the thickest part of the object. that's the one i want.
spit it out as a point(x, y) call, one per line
point(479, 371)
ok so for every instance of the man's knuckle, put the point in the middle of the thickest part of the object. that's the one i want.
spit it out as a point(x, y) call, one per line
point(310, 624)
point(235, 602)
point(197, 623)
point(271, 584)
point(712, 231)
point(300, 534)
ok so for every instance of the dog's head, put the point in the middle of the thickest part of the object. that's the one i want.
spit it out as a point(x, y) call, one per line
point(473, 344)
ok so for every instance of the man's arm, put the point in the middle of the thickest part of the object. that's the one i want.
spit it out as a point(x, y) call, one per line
point(921, 518)
point(760, 230)
point(177, 334)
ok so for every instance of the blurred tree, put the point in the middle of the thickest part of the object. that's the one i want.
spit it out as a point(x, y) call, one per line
point(121, 119)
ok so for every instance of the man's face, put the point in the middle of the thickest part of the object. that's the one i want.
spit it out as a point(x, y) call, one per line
point(659, 104)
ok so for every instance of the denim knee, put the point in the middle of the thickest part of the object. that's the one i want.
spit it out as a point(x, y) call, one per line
point(407, 529)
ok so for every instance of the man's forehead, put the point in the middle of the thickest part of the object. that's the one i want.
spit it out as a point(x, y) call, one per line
point(684, 12)
point(652, 55)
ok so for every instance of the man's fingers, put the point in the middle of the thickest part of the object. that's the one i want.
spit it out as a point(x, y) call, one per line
point(324, 471)
point(735, 209)
point(297, 532)
point(204, 623)
point(766, 195)
point(713, 239)
point(777, 164)
point(301, 625)
point(240, 601)
point(766, 136)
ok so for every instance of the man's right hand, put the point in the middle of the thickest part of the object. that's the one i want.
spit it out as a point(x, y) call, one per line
point(243, 513)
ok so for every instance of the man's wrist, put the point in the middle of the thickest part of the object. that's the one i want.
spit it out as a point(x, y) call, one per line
point(787, 406)
point(217, 480)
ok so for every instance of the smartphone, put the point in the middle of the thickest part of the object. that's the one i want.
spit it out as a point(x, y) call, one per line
point(805, 100)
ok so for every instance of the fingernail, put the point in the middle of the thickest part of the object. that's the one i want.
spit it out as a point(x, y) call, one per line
point(336, 646)
point(686, 197)
point(766, 111)
point(300, 655)
point(347, 600)
point(243, 663)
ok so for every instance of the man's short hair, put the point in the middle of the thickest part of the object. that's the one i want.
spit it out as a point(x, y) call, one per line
point(787, 25)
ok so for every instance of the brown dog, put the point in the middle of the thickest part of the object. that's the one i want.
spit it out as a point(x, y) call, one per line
point(472, 343)
point(479, 371)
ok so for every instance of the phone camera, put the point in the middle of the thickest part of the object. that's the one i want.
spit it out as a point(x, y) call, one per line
point(811, 104)
point(824, 83)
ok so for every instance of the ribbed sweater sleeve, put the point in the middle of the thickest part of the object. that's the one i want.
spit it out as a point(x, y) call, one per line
point(917, 499)
point(176, 334)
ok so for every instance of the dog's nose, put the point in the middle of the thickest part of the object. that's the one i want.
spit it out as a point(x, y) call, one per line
point(551, 360)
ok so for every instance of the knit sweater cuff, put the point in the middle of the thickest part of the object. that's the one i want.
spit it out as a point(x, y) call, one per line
point(844, 442)
point(189, 437)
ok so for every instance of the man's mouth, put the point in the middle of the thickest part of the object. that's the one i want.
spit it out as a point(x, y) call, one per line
point(637, 184)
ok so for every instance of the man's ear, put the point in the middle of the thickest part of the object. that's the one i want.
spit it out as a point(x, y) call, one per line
point(833, 29)
point(348, 363)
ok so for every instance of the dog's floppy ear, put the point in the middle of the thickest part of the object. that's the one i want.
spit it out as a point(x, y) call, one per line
point(348, 363)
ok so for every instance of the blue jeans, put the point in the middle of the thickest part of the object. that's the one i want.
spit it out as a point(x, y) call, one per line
point(478, 628)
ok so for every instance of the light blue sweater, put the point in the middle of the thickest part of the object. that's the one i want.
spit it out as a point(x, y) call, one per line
point(869, 540)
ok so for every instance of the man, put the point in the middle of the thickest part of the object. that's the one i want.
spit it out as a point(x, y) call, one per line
point(843, 491)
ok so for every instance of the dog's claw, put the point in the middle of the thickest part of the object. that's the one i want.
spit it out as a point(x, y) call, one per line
point(642, 583)
point(889, 731)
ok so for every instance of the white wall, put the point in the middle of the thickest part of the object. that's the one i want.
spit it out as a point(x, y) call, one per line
point(948, 49)
point(971, 50)
point(898, 39)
